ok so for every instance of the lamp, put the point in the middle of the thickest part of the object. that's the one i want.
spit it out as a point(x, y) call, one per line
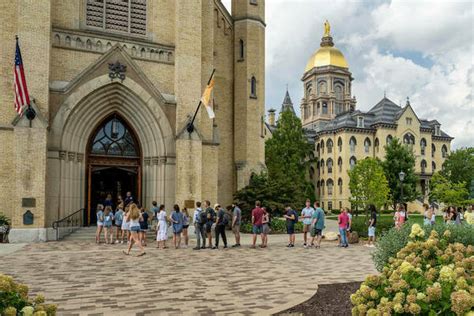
point(401, 176)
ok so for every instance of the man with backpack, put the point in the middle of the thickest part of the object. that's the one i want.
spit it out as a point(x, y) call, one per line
point(221, 222)
point(236, 221)
point(291, 220)
point(210, 221)
point(199, 226)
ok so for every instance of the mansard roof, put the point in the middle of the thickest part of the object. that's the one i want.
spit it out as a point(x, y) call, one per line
point(384, 112)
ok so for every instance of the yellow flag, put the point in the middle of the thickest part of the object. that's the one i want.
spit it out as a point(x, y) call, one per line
point(206, 98)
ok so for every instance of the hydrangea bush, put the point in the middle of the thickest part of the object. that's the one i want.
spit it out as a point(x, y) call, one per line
point(426, 277)
point(14, 300)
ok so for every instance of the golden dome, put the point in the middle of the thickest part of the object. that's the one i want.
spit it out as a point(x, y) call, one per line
point(327, 54)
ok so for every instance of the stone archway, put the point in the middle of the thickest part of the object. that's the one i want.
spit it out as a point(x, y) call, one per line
point(75, 121)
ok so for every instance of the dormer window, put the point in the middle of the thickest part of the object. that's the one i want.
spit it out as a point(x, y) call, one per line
point(360, 121)
point(408, 120)
point(437, 130)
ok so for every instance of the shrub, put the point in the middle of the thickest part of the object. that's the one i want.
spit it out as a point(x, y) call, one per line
point(14, 299)
point(428, 276)
point(278, 226)
point(360, 224)
point(4, 220)
point(393, 240)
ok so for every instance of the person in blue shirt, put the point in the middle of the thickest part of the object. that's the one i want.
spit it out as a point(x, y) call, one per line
point(108, 215)
point(177, 221)
point(118, 217)
point(100, 222)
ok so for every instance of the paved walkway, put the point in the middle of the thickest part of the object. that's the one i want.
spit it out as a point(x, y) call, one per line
point(88, 279)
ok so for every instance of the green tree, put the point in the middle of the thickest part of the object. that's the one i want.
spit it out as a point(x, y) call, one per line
point(368, 184)
point(445, 191)
point(286, 158)
point(459, 166)
point(399, 157)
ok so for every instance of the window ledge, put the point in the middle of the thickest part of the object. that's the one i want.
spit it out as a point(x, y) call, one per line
point(252, 96)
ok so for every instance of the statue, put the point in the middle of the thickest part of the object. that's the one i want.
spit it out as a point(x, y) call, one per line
point(327, 29)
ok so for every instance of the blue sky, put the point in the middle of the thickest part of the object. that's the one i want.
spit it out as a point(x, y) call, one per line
point(419, 49)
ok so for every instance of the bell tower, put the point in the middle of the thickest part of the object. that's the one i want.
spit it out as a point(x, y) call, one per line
point(249, 88)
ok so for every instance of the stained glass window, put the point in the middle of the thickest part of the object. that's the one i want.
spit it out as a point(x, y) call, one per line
point(114, 139)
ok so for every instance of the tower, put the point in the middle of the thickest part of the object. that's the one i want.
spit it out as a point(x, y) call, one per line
point(249, 88)
point(327, 84)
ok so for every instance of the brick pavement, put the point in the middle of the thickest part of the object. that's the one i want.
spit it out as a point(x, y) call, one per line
point(88, 279)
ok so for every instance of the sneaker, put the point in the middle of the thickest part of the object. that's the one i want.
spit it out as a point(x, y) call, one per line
point(292, 246)
point(215, 247)
point(304, 245)
point(203, 247)
point(225, 247)
point(197, 248)
point(289, 245)
point(233, 246)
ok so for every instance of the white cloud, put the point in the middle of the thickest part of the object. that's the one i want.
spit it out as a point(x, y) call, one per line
point(419, 49)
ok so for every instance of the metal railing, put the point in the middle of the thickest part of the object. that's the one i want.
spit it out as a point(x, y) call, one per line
point(69, 224)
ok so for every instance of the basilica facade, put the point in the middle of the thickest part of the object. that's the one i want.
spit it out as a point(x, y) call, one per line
point(114, 85)
point(343, 135)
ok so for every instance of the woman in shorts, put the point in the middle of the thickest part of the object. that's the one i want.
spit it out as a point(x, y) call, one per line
point(134, 220)
point(265, 227)
point(118, 217)
point(185, 227)
point(108, 215)
point(100, 222)
point(177, 221)
point(126, 225)
point(143, 226)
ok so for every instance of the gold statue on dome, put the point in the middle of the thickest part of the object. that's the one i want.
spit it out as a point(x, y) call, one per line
point(327, 29)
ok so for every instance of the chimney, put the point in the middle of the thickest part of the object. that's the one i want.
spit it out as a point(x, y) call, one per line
point(271, 117)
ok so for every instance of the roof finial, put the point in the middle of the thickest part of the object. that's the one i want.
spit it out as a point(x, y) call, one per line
point(287, 87)
point(408, 101)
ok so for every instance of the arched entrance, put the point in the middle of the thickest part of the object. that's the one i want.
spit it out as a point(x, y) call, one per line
point(113, 163)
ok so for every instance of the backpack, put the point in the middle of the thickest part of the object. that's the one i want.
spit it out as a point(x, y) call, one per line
point(202, 218)
point(225, 219)
point(296, 216)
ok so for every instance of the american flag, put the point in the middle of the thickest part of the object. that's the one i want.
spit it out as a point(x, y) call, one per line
point(22, 98)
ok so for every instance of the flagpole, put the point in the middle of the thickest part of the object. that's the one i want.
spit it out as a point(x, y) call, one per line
point(190, 127)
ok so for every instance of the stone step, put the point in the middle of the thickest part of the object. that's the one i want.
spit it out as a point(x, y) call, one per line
point(88, 233)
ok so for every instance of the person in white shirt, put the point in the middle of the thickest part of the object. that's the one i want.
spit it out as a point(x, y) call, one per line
point(306, 215)
point(199, 221)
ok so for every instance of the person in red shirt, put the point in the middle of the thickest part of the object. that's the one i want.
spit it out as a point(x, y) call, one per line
point(257, 223)
point(343, 220)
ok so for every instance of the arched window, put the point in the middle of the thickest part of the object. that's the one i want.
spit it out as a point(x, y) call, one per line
point(322, 87)
point(389, 139)
point(352, 162)
point(241, 49)
point(325, 108)
point(433, 166)
point(339, 164)
point(338, 91)
point(329, 164)
point(125, 16)
point(317, 149)
point(113, 138)
point(253, 87)
point(409, 139)
point(367, 144)
point(376, 145)
point(444, 151)
point(318, 188)
point(339, 184)
point(322, 146)
point(322, 187)
point(352, 144)
point(423, 166)
point(423, 146)
point(322, 165)
point(329, 184)
point(339, 144)
point(309, 89)
point(433, 150)
point(329, 145)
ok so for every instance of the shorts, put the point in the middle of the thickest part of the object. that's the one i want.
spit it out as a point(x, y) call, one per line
point(185, 226)
point(118, 224)
point(306, 228)
point(108, 225)
point(209, 227)
point(100, 223)
point(257, 229)
point(135, 228)
point(316, 232)
point(236, 229)
point(371, 231)
point(290, 229)
point(265, 229)
point(143, 230)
